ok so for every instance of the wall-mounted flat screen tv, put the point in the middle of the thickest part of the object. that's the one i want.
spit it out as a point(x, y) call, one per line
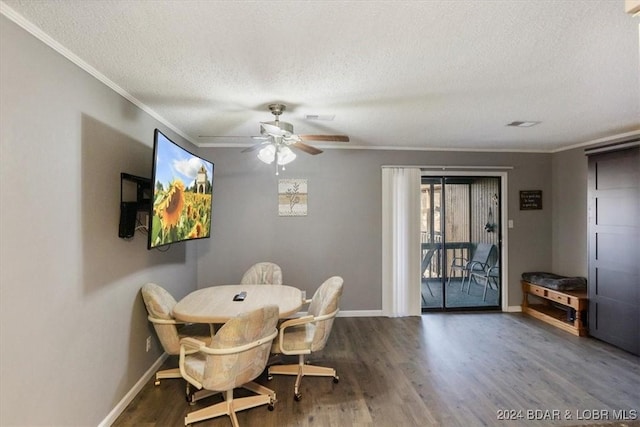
point(182, 193)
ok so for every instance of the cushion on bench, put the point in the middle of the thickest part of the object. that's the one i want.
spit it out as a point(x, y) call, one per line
point(555, 282)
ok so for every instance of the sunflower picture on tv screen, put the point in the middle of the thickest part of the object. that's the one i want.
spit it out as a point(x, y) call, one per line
point(182, 194)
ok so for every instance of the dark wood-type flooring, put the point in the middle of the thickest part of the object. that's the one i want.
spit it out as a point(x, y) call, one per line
point(456, 369)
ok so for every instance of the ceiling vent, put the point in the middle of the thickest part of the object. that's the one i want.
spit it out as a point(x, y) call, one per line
point(322, 117)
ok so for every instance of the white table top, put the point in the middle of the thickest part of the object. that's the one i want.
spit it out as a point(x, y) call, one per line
point(215, 304)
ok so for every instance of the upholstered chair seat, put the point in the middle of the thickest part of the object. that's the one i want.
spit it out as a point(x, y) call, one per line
point(298, 338)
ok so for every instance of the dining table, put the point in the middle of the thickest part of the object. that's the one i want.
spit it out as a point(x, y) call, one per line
point(217, 304)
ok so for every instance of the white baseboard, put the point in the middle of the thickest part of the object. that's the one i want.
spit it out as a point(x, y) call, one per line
point(378, 313)
point(350, 313)
point(124, 402)
point(360, 313)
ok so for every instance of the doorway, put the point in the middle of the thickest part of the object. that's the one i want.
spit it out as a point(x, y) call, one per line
point(461, 242)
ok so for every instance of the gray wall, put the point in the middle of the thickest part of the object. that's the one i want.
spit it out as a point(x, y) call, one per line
point(72, 323)
point(342, 233)
point(569, 184)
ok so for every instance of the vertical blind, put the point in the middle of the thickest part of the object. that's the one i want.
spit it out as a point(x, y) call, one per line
point(401, 241)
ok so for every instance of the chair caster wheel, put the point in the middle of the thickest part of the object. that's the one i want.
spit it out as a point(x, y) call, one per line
point(190, 397)
point(156, 382)
point(297, 397)
point(269, 377)
point(336, 379)
point(270, 407)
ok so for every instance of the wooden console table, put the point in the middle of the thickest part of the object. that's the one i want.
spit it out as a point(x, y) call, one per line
point(553, 315)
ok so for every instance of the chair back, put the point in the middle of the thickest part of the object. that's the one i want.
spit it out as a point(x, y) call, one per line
point(159, 304)
point(228, 371)
point(325, 301)
point(262, 273)
point(482, 252)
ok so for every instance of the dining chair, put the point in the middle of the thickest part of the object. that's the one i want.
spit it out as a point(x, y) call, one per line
point(262, 273)
point(238, 354)
point(159, 304)
point(308, 334)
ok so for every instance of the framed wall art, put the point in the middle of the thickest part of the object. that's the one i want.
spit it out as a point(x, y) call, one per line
point(292, 197)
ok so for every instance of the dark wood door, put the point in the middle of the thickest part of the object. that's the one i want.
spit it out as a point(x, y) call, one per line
point(614, 248)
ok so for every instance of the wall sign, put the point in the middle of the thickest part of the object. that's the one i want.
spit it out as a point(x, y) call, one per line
point(530, 200)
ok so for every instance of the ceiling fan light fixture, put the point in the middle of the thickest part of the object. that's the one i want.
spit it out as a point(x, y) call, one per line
point(267, 154)
point(285, 155)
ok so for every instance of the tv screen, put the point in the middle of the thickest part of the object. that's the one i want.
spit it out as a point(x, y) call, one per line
point(182, 192)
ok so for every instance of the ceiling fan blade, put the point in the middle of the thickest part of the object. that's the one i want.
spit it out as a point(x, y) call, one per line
point(255, 147)
point(274, 130)
point(337, 138)
point(292, 138)
point(306, 148)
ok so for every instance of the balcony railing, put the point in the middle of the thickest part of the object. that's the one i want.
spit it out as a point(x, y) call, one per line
point(432, 260)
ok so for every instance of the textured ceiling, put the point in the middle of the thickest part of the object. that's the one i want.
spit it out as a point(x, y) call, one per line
point(405, 74)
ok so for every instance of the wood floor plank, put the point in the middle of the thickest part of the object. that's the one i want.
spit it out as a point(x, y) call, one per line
point(454, 369)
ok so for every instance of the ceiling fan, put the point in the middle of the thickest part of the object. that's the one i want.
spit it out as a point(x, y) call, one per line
point(276, 137)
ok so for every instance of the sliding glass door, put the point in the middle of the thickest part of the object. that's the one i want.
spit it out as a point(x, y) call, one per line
point(460, 242)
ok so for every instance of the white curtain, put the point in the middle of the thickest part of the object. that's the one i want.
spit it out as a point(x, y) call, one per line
point(401, 241)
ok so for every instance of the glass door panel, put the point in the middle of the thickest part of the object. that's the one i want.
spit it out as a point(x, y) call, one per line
point(460, 243)
point(431, 240)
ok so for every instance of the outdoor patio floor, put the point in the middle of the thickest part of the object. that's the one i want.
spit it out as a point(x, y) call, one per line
point(455, 298)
